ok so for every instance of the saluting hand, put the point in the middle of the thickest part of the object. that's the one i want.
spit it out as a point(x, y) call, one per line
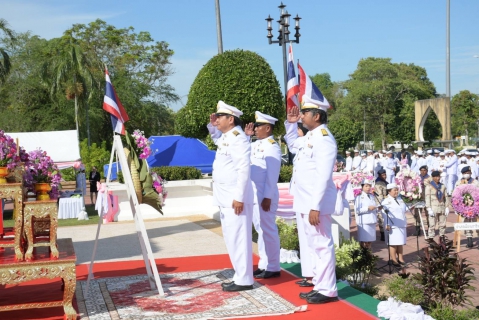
point(213, 118)
point(249, 129)
point(314, 217)
point(238, 207)
point(293, 115)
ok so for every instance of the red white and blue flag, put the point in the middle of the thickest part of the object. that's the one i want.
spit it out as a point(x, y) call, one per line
point(293, 87)
point(112, 105)
point(309, 89)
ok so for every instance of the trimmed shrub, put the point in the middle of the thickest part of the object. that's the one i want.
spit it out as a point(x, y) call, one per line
point(288, 235)
point(405, 289)
point(240, 78)
point(68, 174)
point(177, 173)
point(285, 173)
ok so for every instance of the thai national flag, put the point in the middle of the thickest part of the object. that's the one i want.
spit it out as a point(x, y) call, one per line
point(113, 106)
point(308, 88)
point(293, 87)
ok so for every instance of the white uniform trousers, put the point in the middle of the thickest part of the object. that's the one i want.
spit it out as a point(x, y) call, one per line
point(451, 183)
point(321, 244)
point(268, 239)
point(307, 268)
point(390, 178)
point(237, 232)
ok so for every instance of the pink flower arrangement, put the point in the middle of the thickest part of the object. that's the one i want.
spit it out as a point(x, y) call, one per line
point(8, 152)
point(142, 144)
point(41, 169)
point(356, 181)
point(409, 185)
point(465, 200)
point(159, 186)
point(338, 166)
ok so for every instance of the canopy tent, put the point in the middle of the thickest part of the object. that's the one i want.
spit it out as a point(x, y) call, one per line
point(61, 146)
point(180, 151)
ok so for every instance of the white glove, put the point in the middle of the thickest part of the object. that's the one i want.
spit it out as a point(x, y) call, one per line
point(446, 212)
point(430, 213)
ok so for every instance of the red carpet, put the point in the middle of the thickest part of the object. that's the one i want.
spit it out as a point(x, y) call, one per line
point(284, 286)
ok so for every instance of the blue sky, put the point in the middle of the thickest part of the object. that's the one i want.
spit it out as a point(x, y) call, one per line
point(335, 35)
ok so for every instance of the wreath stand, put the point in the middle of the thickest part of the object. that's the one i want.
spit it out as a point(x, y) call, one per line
point(457, 236)
point(151, 269)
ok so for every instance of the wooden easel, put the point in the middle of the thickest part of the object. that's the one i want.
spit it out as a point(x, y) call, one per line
point(151, 269)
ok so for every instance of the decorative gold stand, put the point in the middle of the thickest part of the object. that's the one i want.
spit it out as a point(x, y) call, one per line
point(15, 192)
point(40, 209)
point(13, 273)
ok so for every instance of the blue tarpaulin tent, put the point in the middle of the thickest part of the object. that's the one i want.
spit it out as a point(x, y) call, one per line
point(180, 151)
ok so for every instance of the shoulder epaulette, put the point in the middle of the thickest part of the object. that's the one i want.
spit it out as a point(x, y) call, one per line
point(324, 132)
point(236, 133)
point(272, 141)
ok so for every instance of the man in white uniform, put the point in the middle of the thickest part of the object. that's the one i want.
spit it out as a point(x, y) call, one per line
point(233, 192)
point(265, 165)
point(421, 161)
point(390, 167)
point(362, 167)
point(435, 160)
point(356, 160)
point(349, 162)
point(429, 161)
point(315, 196)
point(370, 163)
point(414, 161)
point(451, 170)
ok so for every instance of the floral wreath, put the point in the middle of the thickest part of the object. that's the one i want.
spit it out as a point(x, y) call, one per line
point(356, 180)
point(465, 200)
point(409, 185)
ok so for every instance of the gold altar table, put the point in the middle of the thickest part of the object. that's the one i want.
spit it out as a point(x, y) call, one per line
point(15, 192)
point(42, 267)
point(45, 209)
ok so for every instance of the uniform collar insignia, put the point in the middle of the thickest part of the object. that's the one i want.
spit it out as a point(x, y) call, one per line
point(236, 133)
point(324, 132)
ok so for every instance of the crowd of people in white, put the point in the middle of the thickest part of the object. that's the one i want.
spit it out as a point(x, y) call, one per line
point(447, 163)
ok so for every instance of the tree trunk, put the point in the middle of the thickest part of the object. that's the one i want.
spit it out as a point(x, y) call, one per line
point(383, 135)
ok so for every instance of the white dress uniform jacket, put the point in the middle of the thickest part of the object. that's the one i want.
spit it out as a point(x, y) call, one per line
point(390, 167)
point(414, 163)
point(367, 219)
point(396, 219)
point(357, 163)
point(370, 165)
point(265, 165)
point(420, 162)
point(349, 164)
point(451, 170)
point(231, 181)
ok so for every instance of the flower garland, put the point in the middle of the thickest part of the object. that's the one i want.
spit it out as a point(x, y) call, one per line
point(159, 186)
point(465, 200)
point(409, 185)
point(142, 144)
point(41, 169)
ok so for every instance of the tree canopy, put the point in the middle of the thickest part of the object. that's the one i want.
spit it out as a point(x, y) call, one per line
point(240, 78)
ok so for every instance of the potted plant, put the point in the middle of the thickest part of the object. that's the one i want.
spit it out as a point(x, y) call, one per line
point(42, 175)
point(9, 155)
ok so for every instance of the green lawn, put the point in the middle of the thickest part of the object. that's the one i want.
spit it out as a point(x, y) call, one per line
point(90, 209)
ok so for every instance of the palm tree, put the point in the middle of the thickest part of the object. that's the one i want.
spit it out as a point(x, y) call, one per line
point(69, 70)
point(4, 58)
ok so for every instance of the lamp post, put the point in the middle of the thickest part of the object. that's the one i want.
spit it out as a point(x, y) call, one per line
point(283, 38)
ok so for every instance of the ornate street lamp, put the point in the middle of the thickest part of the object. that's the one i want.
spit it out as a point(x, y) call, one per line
point(283, 38)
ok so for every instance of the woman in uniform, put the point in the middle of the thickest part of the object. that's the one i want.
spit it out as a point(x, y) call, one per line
point(366, 208)
point(394, 214)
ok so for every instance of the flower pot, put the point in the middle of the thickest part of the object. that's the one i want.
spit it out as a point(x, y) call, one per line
point(3, 174)
point(42, 191)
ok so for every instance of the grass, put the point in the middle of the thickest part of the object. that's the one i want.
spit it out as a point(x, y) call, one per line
point(90, 209)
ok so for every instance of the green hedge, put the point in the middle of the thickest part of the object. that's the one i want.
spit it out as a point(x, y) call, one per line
point(285, 173)
point(177, 173)
point(68, 174)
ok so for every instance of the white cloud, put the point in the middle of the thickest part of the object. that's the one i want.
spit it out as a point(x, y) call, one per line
point(46, 20)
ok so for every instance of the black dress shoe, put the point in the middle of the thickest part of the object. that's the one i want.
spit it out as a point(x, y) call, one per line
point(227, 284)
point(301, 281)
point(304, 295)
point(382, 236)
point(306, 283)
point(258, 271)
point(268, 274)
point(235, 287)
point(469, 242)
point(319, 298)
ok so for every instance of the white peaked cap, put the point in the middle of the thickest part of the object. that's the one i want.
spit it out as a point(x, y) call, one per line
point(419, 152)
point(429, 151)
point(363, 154)
point(389, 152)
point(348, 151)
point(308, 103)
point(367, 181)
point(369, 150)
point(356, 150)
point(391, 186)
point(463, 159)
point(384, 151)
point(436, 151)
point(442, 154)
point(222, 107)
point(264, 118)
